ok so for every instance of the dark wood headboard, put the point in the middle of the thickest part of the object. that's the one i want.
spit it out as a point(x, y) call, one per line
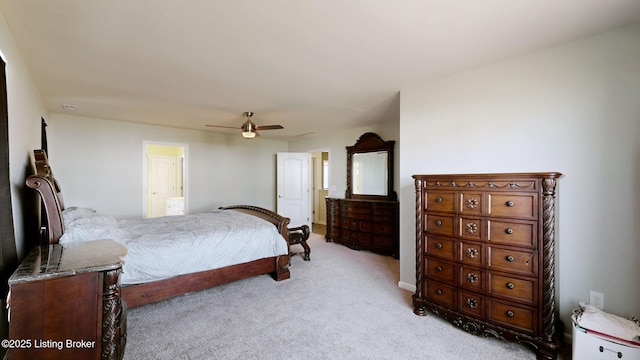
point(49, 190)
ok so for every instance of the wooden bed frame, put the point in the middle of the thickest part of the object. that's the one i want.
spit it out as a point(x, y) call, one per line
point(145, 293)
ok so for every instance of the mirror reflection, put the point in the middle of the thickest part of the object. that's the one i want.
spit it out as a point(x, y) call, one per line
point(369, 171)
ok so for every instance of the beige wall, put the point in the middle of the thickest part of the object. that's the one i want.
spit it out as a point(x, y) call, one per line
point(174, 150)
point(574, 109)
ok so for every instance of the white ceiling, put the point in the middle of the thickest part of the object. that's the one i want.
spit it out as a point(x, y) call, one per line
point(308, 65)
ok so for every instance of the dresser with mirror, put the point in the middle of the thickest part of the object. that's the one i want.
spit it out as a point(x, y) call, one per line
point(367, 218)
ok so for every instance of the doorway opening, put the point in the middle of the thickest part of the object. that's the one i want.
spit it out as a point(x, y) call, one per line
point(320, 185)
point(165, 179)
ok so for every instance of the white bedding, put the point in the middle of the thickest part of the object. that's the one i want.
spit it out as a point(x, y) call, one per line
point(164, 247)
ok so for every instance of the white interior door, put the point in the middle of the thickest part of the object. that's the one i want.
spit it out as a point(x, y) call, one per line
point(162, 183)
point(294, 199)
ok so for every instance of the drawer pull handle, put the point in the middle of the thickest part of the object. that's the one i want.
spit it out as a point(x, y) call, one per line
point(510, 285)
point(438, 268)
point(438, 199)
point(509, 231)
point(472, 252)
point(438, 292)
point(510, 313)
point(439, 245)
point(509, 203)
point(472, 278)
point(438, 222)
point(510, 258)
point(472, 303)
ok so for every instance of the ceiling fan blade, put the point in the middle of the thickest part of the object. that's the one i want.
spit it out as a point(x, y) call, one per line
point(269, 127)
point(222, 126)
point(249, 128)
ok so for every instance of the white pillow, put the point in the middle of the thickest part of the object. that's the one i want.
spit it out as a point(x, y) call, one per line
point(81, 224)
point(72, 213)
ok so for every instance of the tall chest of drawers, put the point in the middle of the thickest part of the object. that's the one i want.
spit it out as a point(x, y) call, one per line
point(485, 254)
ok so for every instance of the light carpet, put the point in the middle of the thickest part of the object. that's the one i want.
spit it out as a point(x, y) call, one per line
point(343, 304)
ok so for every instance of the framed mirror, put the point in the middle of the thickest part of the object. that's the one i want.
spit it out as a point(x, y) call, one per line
point(370, 169)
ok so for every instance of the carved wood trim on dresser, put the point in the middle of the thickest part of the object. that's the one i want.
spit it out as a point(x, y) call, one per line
point(485, 255)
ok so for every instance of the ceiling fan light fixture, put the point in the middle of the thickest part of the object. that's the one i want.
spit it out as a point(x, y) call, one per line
point(248, 134)
point(248, 130)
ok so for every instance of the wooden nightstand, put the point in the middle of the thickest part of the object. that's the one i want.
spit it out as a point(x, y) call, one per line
point(65, 303)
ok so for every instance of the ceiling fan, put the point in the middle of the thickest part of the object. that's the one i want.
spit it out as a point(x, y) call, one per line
point(249, 128)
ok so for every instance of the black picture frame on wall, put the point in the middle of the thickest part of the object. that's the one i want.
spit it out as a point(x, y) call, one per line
point(43, 135)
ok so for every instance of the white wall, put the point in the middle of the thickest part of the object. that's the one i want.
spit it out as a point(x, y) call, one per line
point(25, 108)
point(574, 109)
point(99, 164)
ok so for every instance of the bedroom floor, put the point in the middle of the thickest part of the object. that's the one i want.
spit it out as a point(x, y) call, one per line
point(343, 304)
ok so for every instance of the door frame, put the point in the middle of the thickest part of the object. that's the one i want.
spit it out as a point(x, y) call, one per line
point(145, 170)
point(315, 202)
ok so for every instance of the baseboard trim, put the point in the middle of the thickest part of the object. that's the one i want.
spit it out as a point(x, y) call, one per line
point(406, 286)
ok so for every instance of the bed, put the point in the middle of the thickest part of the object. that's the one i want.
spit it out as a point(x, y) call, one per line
point(140, 290)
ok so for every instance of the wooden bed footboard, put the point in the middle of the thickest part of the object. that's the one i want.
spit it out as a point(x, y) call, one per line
point(276, 219)
point(146, 293)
